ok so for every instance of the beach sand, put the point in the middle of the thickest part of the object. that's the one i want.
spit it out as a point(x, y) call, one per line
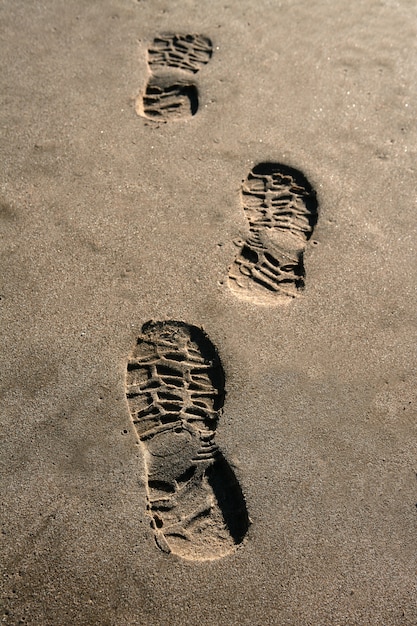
point(110, 219)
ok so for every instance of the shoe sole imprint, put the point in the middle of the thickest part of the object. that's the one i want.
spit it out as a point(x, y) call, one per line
point(175, 392)
point(281, 208)
point(171, 92)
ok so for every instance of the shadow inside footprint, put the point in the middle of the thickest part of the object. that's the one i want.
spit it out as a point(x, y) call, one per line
point(171, 92)
point(281, 208)
point(170, 101)
point(229, 496)
point(175, 390)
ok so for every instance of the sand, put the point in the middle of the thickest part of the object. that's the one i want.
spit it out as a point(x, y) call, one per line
point(110, 219)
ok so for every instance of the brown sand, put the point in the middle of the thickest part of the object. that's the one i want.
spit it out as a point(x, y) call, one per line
point(109, 220)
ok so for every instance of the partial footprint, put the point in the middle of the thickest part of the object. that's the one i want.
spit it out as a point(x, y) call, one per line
point(281, 208)
point(171, 91)
point(175, 391)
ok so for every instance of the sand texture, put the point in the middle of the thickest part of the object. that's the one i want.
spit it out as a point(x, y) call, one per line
point(208, 216)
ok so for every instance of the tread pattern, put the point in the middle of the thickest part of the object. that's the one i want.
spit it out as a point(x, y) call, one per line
point(184, 52)
point(171, 92)
point(164, 99)
point(175, 391)
point(281, 208)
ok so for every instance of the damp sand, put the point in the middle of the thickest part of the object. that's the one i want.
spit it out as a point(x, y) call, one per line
point(124, 200)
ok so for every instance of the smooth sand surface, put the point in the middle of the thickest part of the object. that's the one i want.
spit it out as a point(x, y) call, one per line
point(109, 220)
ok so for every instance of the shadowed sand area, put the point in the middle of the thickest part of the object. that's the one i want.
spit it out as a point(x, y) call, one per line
point(144, 145)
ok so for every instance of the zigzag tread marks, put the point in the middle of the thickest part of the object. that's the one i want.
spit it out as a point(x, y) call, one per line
point(281, 208)
point(171, 92)
point(196, 506)
point(186, 52)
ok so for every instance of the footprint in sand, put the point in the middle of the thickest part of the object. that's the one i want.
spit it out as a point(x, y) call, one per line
point(171, 92)
point(281, 208)
point(175, 392)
